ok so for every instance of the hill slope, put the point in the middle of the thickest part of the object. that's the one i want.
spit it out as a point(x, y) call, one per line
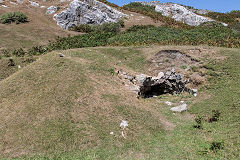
point(66, 108)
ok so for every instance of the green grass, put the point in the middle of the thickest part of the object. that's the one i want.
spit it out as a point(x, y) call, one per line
point(64, 108)
point(215, 35)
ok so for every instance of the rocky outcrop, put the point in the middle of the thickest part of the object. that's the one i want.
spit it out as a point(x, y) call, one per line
point(35, 4)
point(180, 13)
point(148, 86)
point(86, 12)
point(51, 10)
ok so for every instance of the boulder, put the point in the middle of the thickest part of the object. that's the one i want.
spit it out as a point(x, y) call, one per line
point(51, 10)
point(87, 12)
point(180, 108)
point(35, 4)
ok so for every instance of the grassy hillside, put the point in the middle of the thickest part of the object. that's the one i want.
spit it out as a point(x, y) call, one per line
point(65, 108)
point(38, 31)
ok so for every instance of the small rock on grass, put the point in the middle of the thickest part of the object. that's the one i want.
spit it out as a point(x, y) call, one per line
point(180, 108)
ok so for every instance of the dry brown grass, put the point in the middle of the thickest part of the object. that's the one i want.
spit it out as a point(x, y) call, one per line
point(38, 31)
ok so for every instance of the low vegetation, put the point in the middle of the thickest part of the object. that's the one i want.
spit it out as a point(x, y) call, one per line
point(73, 119)
point(105, 27)
point(212, 34)
point(228, 18)
point(13, 17)
point(148, 10)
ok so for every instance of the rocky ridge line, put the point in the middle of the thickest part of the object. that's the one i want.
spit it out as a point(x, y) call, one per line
point(181, 13)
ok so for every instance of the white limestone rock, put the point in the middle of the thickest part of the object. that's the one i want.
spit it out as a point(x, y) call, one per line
point(181, 13)
point(51, 10)
point(35, 4)
point(180, 108)
point(87, 12)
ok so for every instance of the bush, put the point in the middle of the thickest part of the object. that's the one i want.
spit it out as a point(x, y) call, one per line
point(86, 28)
point(18, 52)
point(228, 18)
point(216, 146)
point(6, 53)
point(199, 123)
point(11, 62)
point(143, 35)
point(17, 17)
point(136, 28)
point(236, 27)
point(105, 27)
point(215, 116)
point(37, 50)
point(212, 36)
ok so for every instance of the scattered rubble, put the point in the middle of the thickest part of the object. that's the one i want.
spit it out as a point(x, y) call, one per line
point(168, 103)
point(87, 12)
point(123, 124)
point(193, 92)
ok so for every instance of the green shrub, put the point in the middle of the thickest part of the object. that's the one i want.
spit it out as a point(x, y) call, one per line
point(105, 27)
point(18, 52)
point(37, 50)
point(236, 27)
point(199, 123)
point(216, 146)
point(215, 116)
point(86, 28)
point(136, 28)
point(11, 62)
point(17, 17)
point(228, 18)
point(6, 53)
point(213, 36)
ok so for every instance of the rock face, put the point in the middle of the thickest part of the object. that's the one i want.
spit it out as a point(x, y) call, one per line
point(180, 13)
point(86, 12)
point(51, 10)
point(147, 86)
